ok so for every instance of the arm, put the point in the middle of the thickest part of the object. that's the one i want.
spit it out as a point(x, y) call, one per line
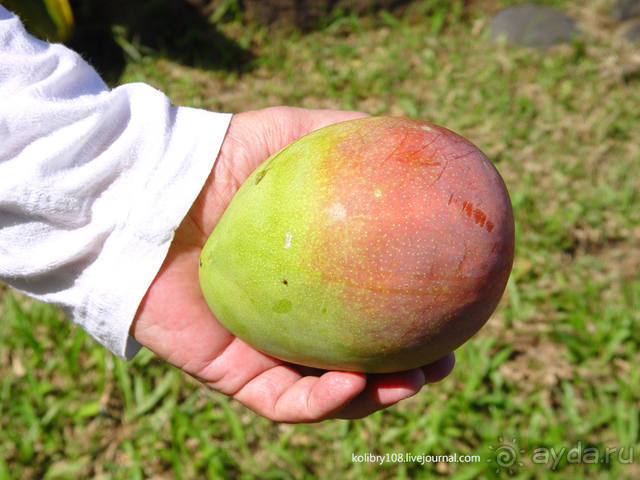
point(93, 182)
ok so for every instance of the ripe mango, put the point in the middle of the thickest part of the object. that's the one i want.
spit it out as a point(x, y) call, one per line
point(375, 245)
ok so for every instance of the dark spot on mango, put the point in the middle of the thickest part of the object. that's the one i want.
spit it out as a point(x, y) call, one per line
point(200, 263)
point(282, 306)
point(285, 282)
point(479, 216)
point(260, 175)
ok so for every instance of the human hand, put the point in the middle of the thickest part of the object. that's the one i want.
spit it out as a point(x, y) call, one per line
point(175, 322)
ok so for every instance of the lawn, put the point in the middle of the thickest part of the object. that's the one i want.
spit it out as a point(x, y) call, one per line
point(550, 388)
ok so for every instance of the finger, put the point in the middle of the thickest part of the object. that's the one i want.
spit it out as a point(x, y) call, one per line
point(321, 118)
point(384, 390)
point(283, 125)
point(438, 370)
point(232, 368)
point(283, 395)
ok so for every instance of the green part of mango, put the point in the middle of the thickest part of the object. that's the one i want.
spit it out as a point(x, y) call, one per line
point(253, 268)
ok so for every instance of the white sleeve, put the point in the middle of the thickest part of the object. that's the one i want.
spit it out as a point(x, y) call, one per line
point(93, 182)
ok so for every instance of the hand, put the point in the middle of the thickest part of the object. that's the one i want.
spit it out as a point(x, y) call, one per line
point(174, 321)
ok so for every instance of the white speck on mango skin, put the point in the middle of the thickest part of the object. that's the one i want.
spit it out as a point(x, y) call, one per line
point(426, 128)
point(337, 211)
point(377, 193)
point(287, 240)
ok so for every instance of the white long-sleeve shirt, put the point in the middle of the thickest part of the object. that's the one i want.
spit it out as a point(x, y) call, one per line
point(93, 182)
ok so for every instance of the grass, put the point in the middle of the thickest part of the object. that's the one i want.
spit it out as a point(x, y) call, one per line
point(557, 366)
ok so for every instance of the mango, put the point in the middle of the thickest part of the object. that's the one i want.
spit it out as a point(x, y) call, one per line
point(374, 245)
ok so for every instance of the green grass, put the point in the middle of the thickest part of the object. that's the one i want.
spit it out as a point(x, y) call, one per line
point(556, 367)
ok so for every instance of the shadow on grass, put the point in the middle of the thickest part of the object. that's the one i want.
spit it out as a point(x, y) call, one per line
point(174, 28)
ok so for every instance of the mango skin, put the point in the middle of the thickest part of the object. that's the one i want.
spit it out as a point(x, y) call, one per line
point(375, 245)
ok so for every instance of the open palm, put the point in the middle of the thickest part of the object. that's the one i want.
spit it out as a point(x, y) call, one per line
point(175, 322)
